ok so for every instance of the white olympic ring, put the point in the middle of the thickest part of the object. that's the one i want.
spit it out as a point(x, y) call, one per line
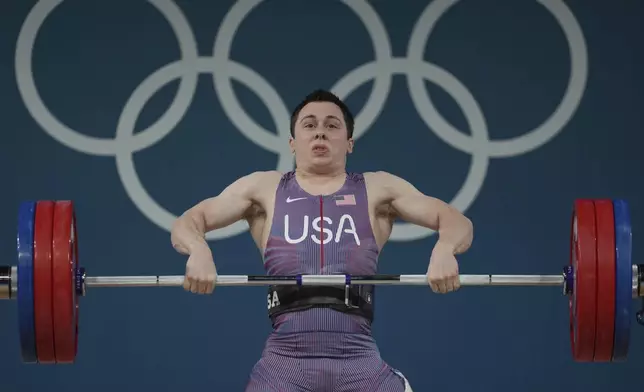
point(223, 70)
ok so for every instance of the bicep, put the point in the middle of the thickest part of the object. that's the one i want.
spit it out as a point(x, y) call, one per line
point(231, 205)
point(411, 205)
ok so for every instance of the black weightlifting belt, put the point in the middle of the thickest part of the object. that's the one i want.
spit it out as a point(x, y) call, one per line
point(348, 299)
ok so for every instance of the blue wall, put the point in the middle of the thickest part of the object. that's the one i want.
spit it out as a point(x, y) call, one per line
point(509, 109)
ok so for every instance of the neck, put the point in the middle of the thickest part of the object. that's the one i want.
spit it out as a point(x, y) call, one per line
point(320, 183)
point(324, 175)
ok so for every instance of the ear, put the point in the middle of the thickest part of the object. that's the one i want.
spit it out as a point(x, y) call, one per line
point(350, 149)
point(291, 142)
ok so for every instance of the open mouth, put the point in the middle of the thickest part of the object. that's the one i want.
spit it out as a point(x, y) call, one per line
point(320, 149)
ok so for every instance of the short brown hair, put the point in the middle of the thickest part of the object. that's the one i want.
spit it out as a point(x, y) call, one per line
point(320, 95)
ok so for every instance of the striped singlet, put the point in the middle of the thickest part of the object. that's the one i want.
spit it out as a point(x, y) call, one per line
point(321, 349)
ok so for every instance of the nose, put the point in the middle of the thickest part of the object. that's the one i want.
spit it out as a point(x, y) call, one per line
point(320, 135)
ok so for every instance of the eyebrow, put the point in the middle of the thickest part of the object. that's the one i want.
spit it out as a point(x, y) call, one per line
point(312, 116)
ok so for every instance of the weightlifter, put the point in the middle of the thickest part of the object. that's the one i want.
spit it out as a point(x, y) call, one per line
point(321, 219)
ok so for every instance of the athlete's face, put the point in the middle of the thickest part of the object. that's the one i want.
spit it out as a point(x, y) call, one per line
point(321, 136)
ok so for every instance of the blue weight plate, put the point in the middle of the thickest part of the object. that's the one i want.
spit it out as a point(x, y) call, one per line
point(623, 280)
point(26, 323)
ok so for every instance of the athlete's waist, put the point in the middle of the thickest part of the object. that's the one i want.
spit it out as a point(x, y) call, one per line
point(321, 344)
point(321, 319)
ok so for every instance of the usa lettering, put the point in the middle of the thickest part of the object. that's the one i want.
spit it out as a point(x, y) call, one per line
point(273, 300)
point(345, 226)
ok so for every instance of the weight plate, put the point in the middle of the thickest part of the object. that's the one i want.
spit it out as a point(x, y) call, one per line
point(583, 304)
point(25, 300)
point(623, 280)
point(43, 282)
point(76, 283)
point(605, 328)
point(63, 255)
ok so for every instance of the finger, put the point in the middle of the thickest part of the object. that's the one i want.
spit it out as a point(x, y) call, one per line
point(199, 283)
point(457, 282)
point(194, 286)
point(433, 285)
point(203, 286)
point(207, 284)
point(211, 283)
point(186, 283)
point(442, 286)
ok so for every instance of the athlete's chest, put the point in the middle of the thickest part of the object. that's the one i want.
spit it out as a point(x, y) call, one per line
point(337, 218)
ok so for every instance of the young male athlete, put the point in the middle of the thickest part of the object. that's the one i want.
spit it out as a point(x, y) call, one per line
point(320, 219)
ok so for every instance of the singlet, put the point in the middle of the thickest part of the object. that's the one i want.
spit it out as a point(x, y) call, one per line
point(321, 235)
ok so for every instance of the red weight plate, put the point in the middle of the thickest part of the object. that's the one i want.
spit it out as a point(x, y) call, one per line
point(43, 307)
point(605, 329)
point(76, 267)
point(63, 246)
point(584, 262)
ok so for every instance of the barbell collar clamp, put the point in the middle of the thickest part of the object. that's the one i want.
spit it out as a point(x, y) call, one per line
point(8, 282)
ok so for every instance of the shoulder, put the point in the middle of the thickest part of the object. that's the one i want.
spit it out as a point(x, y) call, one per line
point(259, 187)
point(265, 182)
point(264, 176)
point(253, 184)
point(260, 179)
point(377, 175)
point(388, 184)
point(378, 183)
point(382, 178)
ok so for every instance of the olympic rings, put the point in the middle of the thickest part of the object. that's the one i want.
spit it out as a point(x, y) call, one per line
point(223, 70)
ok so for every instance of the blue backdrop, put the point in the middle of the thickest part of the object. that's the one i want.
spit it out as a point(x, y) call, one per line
point(137, 110)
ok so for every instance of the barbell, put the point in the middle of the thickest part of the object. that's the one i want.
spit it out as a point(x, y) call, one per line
point(599, 280)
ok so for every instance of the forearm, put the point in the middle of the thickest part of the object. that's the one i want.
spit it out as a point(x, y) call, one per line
point(189, 232)
point(455, 230)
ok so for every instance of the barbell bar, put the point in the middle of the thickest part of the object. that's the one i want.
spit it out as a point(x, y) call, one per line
point(48, 281)
point(326, 280)
point(8, 276)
